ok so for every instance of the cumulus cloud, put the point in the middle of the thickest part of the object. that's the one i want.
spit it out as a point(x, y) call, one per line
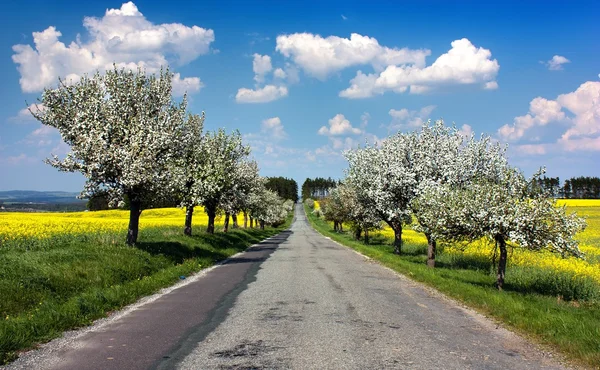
point(265, 94)
point(122, 36)
point(25, 116)
point(261, 65)
point(273, 128)
point(20, 159)
point(541, 112)
point(556, 63)
point(409, 119)
point(279, 73)
point(319, 57)
point(187, 85)
point(583, 119)
point(339, 125)
point(462, 64)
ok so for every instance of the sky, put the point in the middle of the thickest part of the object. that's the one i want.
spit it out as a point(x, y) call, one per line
point(305, 81)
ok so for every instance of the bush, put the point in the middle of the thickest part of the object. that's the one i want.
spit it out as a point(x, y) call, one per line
point(317, 212)
point(310, 203)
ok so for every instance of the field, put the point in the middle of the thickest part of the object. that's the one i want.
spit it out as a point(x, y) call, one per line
point(16, 227)
point(553, 300)
point(63, 270)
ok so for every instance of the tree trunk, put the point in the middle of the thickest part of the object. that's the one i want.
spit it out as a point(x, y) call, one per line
point(235, 222)
point(189, 211)
point(396, 225)
point(357, 233)
point(501, 262)
point(245, 220)
point(251, 222)
point(211, 211)
point(262, 225)
point(135, 210)
point(431, 249)
point(226, 223)
point(335, 227)
point(367, 236)
point(341, 227)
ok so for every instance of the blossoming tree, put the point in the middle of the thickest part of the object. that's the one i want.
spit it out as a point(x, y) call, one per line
point(122, 129)
point(505, 211)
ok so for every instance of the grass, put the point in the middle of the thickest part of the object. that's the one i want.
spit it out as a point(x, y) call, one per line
point(69, 281)
point(531, 303)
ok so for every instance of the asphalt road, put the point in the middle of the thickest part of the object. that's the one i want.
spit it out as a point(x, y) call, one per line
point(296, 301)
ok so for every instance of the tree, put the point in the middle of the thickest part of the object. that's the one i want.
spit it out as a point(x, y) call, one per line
point(246, 180)
point(188, 167)
point(122, 128)
point(441, 156)
point(266, 207)
point(384, 179)
point(362, 217)
point(284, 187)
point(505, 211)
point(216, 173)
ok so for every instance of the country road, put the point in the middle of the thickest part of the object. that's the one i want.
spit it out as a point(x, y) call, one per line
point(295, 301)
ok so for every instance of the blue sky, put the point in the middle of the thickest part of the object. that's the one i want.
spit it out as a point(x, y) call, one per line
point(304, 81)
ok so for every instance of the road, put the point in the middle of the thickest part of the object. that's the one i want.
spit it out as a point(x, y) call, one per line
point(299, 301)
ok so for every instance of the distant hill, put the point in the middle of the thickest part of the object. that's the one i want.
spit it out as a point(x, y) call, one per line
point(39, 197)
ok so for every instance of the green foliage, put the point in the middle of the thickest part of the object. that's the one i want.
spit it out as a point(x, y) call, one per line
point(318, 187)
point(284, 187)
point(555, 309)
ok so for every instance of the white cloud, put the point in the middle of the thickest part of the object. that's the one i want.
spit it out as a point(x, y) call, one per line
point(556, 63)
point(122, 36)
point(583, 132)
point(533, 149)
point(18, 159)
point(25, 116)
point(491, 85)
point(462, 64)
point(584, 103)
point(344, 17)
point(466, 130)
point(364, 119)
point(405, 119)
point(187, 85)
point(272, 127)
point(319, 57)
point(279, 73)
point(261, 65)
point(541, 112)
point(261, 95)
point(339, 125)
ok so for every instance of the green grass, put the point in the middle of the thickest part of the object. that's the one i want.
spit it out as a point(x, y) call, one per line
point(68, 282)
point(571, 327)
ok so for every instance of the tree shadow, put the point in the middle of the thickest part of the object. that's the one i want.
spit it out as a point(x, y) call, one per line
point(213, 246)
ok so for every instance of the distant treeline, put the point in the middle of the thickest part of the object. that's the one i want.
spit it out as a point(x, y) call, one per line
point(583, 187)
point(285, 188)
point(42, 207)
point(317, 188)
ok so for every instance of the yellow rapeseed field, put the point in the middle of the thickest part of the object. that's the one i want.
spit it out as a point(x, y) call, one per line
point(589, 243)
point(16, 225)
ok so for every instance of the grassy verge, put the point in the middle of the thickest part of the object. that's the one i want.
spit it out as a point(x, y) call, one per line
point(571, 327)
point(70, 281)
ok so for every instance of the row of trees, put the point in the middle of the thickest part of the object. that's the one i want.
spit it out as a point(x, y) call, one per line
point(134, 144)
point(575, 188)
point(455, 189)
point(284, 187)
point(582, 188)
point(317, 188)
